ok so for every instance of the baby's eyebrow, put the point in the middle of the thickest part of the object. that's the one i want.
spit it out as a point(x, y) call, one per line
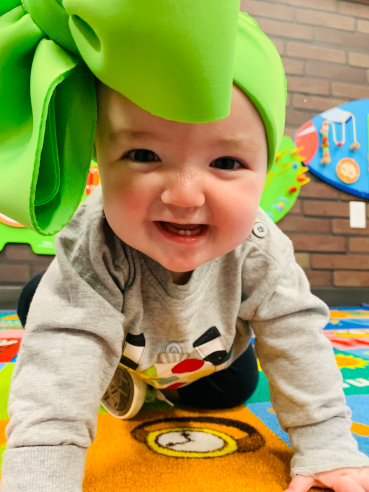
point(235, 142)
point(128, 134)
point(241, 142)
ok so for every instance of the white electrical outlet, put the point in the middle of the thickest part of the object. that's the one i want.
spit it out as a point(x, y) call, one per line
point(358, 215)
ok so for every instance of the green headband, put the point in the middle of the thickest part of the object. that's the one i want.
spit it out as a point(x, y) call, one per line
point(176, 59)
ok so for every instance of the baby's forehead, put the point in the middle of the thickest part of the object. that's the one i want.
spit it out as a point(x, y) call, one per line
point(120, 112)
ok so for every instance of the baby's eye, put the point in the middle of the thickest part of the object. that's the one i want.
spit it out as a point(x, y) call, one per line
point(143, 155)
point(226, 163)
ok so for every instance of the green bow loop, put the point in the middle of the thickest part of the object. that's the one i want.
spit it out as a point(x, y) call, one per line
point(7, 5)
point(259, 72)
point(47, 124)
point(173, 58)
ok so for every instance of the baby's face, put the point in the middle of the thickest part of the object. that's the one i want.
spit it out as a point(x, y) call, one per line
point(155, 172)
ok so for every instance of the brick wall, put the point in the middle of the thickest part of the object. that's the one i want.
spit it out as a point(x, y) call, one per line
point(330, 252)
point(324, 47)
point(18, 264)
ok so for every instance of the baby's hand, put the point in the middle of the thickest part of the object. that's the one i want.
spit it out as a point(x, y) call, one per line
point(340, 480)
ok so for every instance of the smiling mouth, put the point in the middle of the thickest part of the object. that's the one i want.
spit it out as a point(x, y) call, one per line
point(183, 229)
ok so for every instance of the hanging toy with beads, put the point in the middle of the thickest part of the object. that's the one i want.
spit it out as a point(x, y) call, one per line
point(325, 143)
point(325, 132)
point(355, 145)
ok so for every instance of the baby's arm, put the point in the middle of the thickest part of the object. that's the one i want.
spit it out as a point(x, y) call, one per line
point(71, 347)
point(305, 382)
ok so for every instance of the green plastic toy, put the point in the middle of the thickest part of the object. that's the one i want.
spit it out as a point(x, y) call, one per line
point(284, 180)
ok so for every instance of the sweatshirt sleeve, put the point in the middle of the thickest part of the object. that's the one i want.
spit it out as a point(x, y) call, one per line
point(305, 383)
point(70, 350)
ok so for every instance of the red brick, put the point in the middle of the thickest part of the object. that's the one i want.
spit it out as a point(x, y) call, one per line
point(311, 86)
point(296, 208)
point(340, 262)
point(351, 279)
point(314, 178)
point(319, 278)
point(303, 259)
point(293, 67)
point(341, 226)
point(325, 19)
point(336, 72)
point(299, 50)
point(298, 118)
point(359, 60)
point(316, 103)
point(349, 198)
point(329, 5)
point(19, 252)
point(304, 224)
point(318, 190)
point(25, 253)
point(263, 9)
point(363, 26)
point(361, 11)
point(343, 38)
point(285, 29)
point(359, 244)
point(326, 209)
point(14, 273)
point(311, 242)
point(340, 89)
point(279, 44)
point(290, 132)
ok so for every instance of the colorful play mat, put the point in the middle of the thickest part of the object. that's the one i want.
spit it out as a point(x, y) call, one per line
point(281, 189)
point(183, 449)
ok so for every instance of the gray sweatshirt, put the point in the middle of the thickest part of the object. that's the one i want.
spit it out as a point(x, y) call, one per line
point(101, 302)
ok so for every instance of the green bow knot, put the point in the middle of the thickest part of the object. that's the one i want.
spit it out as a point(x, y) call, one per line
point(176, 59)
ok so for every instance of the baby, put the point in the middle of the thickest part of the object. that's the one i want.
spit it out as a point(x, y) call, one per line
point(158, 279)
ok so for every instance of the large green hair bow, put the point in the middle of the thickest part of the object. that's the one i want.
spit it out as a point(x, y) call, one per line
point(174, 58)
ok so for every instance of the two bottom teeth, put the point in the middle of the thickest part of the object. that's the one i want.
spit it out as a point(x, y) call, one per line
point(194, 231)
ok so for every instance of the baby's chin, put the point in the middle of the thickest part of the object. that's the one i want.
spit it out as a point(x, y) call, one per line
point(177, 264)
point(187, 261)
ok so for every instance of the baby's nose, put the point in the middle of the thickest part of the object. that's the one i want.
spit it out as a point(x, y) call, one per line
point(184, 192)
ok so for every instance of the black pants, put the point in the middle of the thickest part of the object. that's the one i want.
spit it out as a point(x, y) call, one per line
point(224, 389)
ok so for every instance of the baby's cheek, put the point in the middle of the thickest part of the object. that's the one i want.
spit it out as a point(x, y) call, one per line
point(238, 217)
point(242, 206)
point(135, 203)
point(123, 193)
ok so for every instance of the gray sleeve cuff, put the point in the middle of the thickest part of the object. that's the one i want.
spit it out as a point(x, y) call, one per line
point(43, 469)
point(324, 446)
